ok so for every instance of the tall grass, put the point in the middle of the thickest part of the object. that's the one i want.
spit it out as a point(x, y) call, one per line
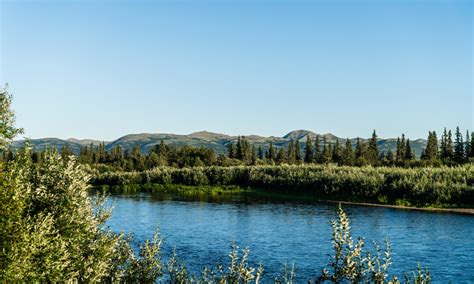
point(444, 186)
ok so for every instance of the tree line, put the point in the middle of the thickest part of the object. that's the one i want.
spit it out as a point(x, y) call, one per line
point(447, 151)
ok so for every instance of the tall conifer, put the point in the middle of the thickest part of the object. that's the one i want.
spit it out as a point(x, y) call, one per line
point(348, 154)
point(298, 152)
point(458, 147)
point(317, 151)
point(291, 153)
point(373, 152)
point(308, 152)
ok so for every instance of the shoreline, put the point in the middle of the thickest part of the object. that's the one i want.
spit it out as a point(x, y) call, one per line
point(464, 211)
point(264, 194)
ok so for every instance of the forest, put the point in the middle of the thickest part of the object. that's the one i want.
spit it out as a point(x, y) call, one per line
point(446, 151)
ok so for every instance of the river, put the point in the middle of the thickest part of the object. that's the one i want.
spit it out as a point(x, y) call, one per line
point(279, 233)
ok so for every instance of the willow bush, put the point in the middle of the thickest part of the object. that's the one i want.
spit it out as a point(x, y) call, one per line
point(444, 186)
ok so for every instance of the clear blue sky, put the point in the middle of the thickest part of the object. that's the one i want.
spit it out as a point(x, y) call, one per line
point(103, 69)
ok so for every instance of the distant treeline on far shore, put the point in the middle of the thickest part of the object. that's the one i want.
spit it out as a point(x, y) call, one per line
point(447, 151)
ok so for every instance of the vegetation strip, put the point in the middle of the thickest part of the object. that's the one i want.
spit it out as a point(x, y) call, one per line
point(444, 187)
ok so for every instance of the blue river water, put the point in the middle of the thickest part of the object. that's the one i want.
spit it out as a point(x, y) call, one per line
point(279, 233)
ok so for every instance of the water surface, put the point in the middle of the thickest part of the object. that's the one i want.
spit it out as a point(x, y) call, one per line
point(280, 233)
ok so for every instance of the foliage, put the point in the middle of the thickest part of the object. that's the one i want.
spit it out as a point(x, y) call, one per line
point(52, 231)
point(444, 186)
point(8, 131)
point(351, 263)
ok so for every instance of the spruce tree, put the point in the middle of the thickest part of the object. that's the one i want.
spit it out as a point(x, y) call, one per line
point(359, 152)
point(298, 158)
point(458, 147)
point(308, 152)
point(471, 155)
point(467, 149)
point(373, 152)
point(401, 149)
point(253, 158)
point(327, 152)
point(409, 154)
point(230, 150)
point(348, 154)
point(281, 156)
point(399, 155)
point(449, 146)
point(260, 153)
point(239, 154)
point(443, 149)
point(66, 151)
point(431, 151)
point(337, 153)
point(317, 151)
point(291, 153)
point(246, 150)
point(271, 152)
point(389, 156)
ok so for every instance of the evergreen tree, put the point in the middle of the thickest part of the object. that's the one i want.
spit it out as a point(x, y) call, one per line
point(231, 150)
point(281, 156)
point(444, 149)
point(467, 149)
point(398, 154)
point(246, 150)
point(471, 155)
point(253, 155)
point(373, 152)
point(91, 154)
point(317, 152)
point(35, 156)
point(240, 152)
point(389, 156)
point(164, 151)
point(449, 146)
point(458, 147)
point(271, 152)
point(348, 154)
point(409, 154)
point(152, 160)
point(401, 149)
point(291, 153)
point(66, 151)
point(117, 154)
point(431, 151)
point(359, 151)
point(298, 158)
point(327, 152)
point(337, 153)
point(260, 153)
point(308, 152)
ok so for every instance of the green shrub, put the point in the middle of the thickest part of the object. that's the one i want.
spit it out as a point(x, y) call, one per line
point(418, 186)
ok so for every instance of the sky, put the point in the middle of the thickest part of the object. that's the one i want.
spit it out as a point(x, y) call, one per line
point(103, 69)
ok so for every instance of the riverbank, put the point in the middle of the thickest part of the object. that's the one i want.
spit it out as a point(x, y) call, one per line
point(466, 211)
point(445, 187)
point(248, 194)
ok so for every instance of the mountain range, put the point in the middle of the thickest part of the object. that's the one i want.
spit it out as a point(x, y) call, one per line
point(216, 141)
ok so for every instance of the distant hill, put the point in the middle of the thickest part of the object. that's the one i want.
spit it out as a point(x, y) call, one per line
point(216, 141)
